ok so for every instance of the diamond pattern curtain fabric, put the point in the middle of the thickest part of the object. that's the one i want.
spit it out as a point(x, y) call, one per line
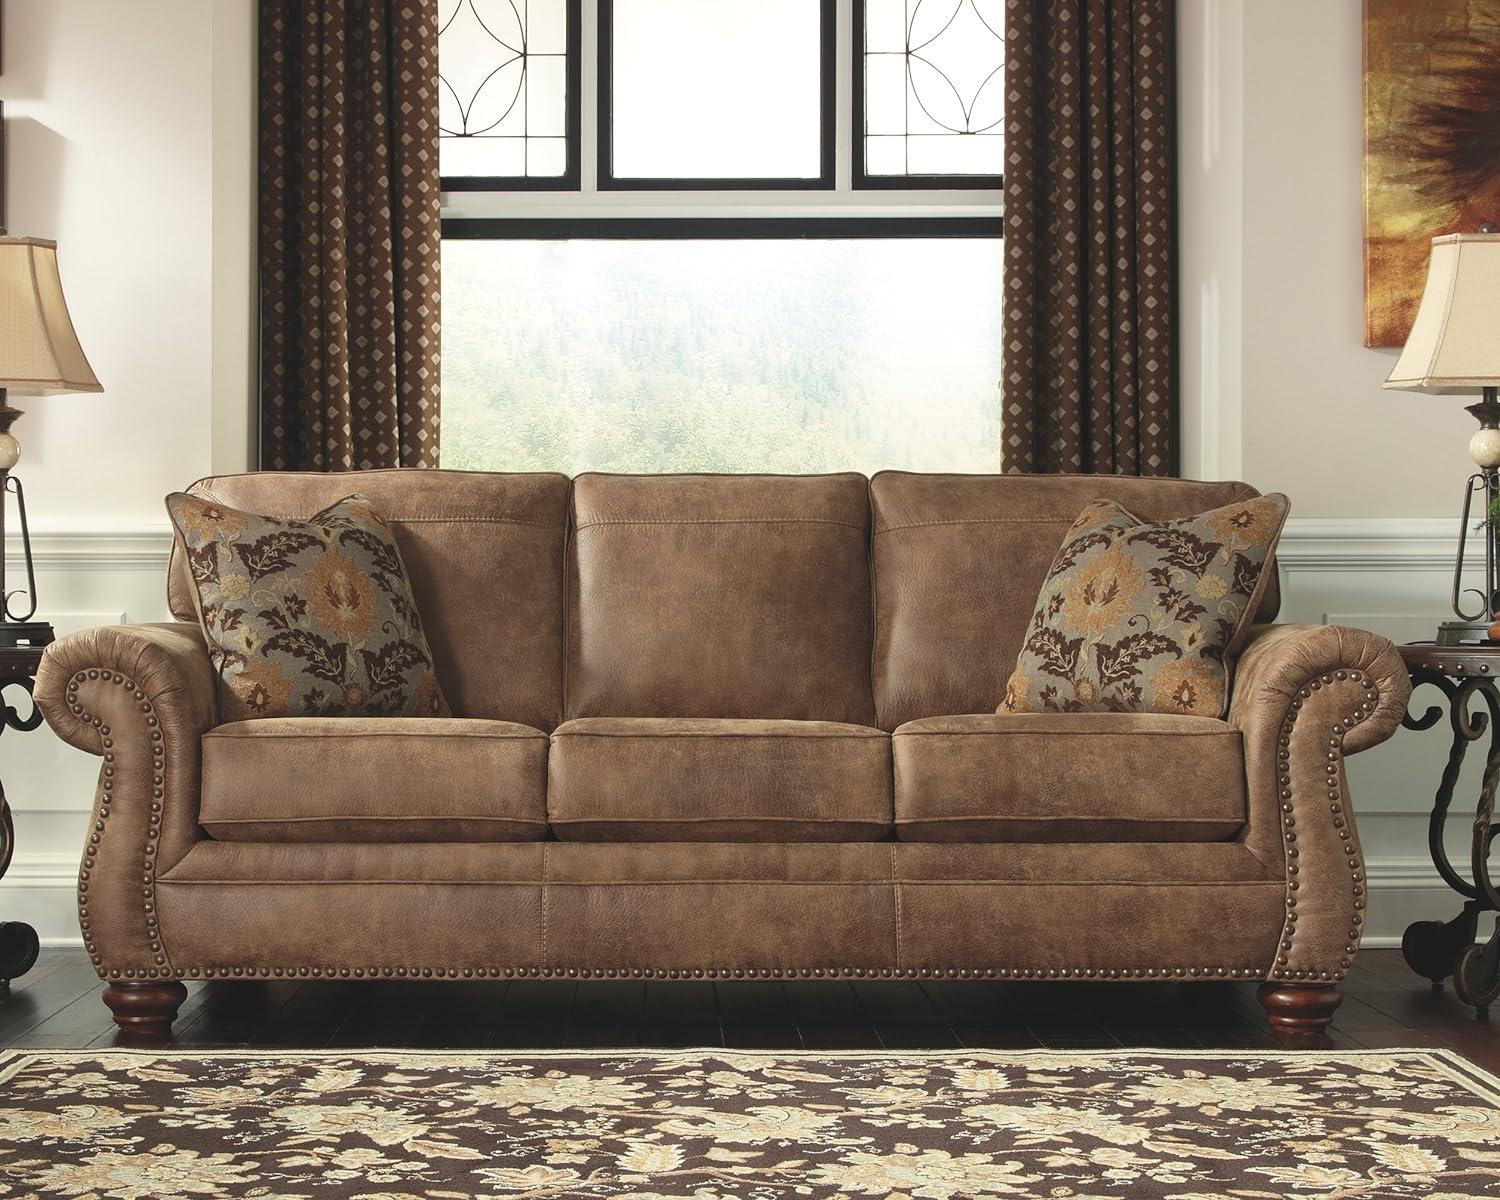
point(349, 234)
point(1090, 274)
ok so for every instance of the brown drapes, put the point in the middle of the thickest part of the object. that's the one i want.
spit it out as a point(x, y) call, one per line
point(349, 234)
point(1090, 272)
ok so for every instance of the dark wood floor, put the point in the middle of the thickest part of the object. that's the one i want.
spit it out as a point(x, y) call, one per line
point(57, 1005)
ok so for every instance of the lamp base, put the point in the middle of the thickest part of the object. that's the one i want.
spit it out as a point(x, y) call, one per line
point(18, 635)
point(1450, 633)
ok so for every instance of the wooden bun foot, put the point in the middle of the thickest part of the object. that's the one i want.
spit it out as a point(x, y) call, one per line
point(145, 1010)
point(1299, 1008)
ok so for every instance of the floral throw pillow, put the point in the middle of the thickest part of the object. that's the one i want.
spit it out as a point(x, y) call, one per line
point(1142, 616)
point(307, 618)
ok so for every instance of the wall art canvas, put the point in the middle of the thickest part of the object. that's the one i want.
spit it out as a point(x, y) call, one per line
point(1432, 143)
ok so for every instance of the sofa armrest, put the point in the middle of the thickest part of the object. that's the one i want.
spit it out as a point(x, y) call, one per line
point(1304, 696)
point(1279, 661)
point(140, 697)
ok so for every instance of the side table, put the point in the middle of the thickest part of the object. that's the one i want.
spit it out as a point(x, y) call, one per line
point(1464, 674)
point(18, 941)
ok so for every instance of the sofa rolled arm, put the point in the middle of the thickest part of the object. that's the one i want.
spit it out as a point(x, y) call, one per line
point(1279, 661)
point(1304, 697)
point(140, 697)
point(168, 663)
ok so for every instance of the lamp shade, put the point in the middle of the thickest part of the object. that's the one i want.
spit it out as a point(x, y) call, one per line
point(1454, 344)
point(39, 352)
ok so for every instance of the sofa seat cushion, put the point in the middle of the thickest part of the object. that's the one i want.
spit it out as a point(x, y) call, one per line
point(673, 779)
point(1075, 777)
point(374, 779)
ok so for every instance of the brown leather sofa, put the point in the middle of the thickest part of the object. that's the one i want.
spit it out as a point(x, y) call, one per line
point(722, 727)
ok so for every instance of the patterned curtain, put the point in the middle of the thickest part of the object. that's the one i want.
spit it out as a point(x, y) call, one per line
point(1090, 255)
point(349, 234)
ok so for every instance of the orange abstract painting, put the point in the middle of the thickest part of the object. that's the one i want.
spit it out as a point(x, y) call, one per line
point(1432, 143)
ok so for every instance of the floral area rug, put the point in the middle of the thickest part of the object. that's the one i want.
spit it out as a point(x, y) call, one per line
point(727, 1125)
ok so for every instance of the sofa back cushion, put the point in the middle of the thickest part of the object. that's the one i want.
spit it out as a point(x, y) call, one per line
point(484, 554)
point(719, 596)
point(958, 561)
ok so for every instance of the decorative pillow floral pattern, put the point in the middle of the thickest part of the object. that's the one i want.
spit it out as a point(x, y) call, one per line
point(307, 618)
point(1141, 617)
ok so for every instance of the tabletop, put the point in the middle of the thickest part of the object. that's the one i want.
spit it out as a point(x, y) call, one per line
point(1480, 659)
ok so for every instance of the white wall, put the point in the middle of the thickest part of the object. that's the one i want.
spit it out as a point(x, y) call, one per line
point(130, 140)
point(1278, 386)
point(112, 115)
point(131, 130)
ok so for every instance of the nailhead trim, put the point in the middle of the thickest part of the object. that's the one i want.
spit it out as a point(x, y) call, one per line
point(1282, 970)
point(429, 972)
point(162, 967)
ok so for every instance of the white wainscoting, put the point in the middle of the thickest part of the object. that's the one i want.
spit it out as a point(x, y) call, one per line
point(1389, 576)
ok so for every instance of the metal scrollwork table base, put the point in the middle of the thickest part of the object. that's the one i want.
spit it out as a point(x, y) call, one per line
point(1465, 675)
point(18, 941)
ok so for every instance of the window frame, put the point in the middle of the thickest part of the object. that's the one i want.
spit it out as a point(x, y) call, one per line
point(714, 229)
point(572, 177)
point(861, 181)
point(825, 180)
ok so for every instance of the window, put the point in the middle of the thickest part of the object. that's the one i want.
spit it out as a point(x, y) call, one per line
point(508, 93)
point(694, 93)
point(929, 92)
point(779, 354)
point(724, 262)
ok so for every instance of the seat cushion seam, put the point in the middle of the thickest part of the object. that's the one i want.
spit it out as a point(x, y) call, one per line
point(1045, 883)
point(961, 734)
point(607, 521)
point(276, 820)
point(312, 736)
point(873, 736)
point(1094, 818)
point(675, 820)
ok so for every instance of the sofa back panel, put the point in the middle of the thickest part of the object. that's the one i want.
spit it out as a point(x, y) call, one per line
point(958, 562)
point(485, 556)
point(719, 596)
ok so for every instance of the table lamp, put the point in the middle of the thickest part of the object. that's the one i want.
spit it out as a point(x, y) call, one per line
point(1454, 349)
point(39, 356)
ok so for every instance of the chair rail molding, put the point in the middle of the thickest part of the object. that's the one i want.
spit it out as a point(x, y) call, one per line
point(1308, 543)
point(101, 547)
point(1370, 544)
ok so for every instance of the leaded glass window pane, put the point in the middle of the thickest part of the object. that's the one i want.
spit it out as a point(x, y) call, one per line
point(934, 87)
point(503, 73)
point(716, 89)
